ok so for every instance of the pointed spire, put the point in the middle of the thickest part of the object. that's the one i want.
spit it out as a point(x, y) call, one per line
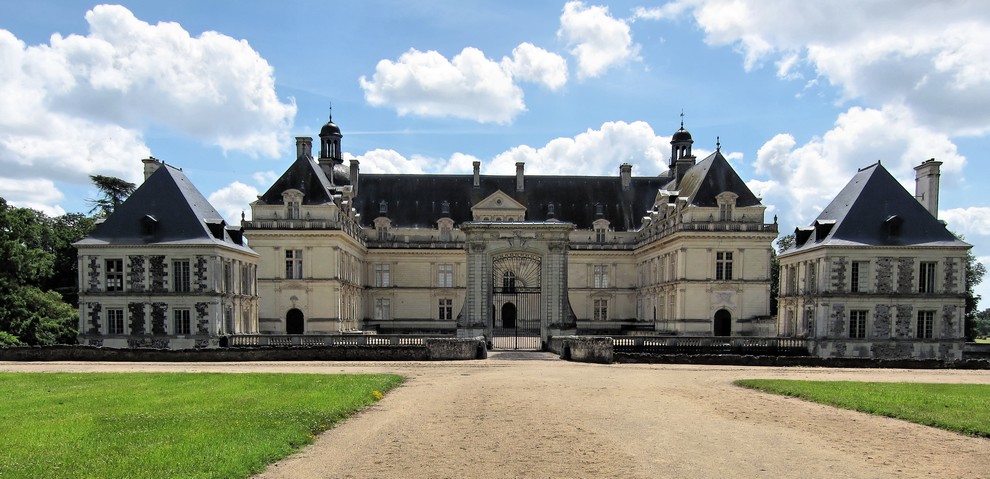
point(682, 118)
point(718, 143)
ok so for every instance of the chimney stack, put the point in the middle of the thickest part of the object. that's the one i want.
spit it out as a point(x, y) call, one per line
point(520, 181)
point(625, 175)
point(151, 164)
point(355, 176)
point(926, 185)
point(477, 173)
point(681, 167)
point(304, 146)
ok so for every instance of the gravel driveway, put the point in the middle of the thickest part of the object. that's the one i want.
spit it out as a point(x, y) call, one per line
point(531, 415)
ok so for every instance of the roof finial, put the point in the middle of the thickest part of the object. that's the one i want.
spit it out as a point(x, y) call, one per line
point(331, 111)
point(682, 118)
point(718, 143)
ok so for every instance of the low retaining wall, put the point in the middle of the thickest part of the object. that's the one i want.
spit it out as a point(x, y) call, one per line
point(583, 349)
point(806, 361)
point(437, 349)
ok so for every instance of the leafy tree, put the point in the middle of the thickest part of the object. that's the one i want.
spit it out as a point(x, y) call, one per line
point(981, 325)
point(28, 245)
point(113, 192)
point(61, 233)
point(974, 276)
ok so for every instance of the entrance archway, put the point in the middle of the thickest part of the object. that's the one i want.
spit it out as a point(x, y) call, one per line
point(295, 322)
point(508, 316)
point(722, 323)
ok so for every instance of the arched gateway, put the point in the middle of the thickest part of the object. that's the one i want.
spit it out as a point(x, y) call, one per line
point(516, 283)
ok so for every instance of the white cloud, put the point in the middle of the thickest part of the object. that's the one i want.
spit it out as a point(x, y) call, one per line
point(597, 40)
point(668, 10)
point(974, 220)
point(35, 193)
point(389, 162)
point(932, 58)
point(469, 86)
point(233, 199)
point(78, 105)
point(534, 64)
point(265, 178)
point(810, 175)
point(594, 152)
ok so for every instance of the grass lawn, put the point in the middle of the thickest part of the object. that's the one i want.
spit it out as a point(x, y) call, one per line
point(962, 408)
point(168, 425)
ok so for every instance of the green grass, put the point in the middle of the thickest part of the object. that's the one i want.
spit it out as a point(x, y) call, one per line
point(962, 408)
point(168, 425)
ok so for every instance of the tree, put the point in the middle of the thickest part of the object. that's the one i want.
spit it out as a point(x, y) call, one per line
point(974, 276)
point(113, 192)
point(28, 313)
point(61, 232)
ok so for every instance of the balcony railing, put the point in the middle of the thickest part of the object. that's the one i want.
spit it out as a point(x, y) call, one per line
point(772, 346)
point(352, 229)
point(314, 340)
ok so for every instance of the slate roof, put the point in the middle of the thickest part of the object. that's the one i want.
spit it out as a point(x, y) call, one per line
point(416, 200)
point(305, 175)
point(709, 178)
point(874, 209)
point(165, 209)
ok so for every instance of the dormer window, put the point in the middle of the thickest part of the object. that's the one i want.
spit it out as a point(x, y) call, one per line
point(601, 230)
point(292, 199)
point(726, 204)
point(382, 208)
point(446, 226)
point(382, 225)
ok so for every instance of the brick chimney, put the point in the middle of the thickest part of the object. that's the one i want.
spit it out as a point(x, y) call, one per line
point(625, 175)
point(926, 185)
point(304, 146)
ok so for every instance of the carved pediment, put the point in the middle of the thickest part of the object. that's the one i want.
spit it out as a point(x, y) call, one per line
point(498, 206)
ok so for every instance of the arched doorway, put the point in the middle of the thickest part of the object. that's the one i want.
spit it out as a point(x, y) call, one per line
point(509, 316)
point(295, 322)
point(723, 323)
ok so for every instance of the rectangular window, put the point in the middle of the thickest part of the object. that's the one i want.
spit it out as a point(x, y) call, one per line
point(811, 278)
point(383, 275)
point(181, 321)
point(860, 273)
point(601, 310)
point(115, 274)
point(725, 212)
point(857, 324)
point(228, 277)
point(445, 275)
point(383, 308)
point(723, 266)
point(292, 210)
point(180, 273)
point(926, 324)
point(293, 264)
point(115, 321)
point(600, 235)
point(601, 275)
point(446, 309)
point(926, 277)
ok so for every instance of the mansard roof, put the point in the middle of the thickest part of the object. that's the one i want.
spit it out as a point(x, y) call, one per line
point(166, 208)
point(304, 175)
point(711, 177)
point(874, 209)
point(417, 200)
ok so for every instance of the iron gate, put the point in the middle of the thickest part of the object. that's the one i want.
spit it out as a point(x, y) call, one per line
point(516, 320)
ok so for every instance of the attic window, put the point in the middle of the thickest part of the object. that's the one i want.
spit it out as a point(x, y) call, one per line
point(726, 203)
point(383, 208)
point(801, 236)
point(445, 208)
point(893, 225)
point(599, 210)
point(148, 225)
point(216, 227)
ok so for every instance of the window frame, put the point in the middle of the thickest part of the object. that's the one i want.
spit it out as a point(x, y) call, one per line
point(383, 309)
point(294, 264)
point(445, 309)
point(859, 277)
point(114, 277)
point(857, 323)
point(600, 276)
point(181, 276)
point(181, 322)
point(111, 320)
point(723, 266)
point(926, 276)
point(600, 310)
point(383, 275)
point(925, 325)
point(445, 275)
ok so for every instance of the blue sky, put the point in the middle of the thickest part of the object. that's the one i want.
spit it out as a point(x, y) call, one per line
point(800, 93)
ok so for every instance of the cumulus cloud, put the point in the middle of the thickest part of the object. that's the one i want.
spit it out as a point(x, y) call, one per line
point(597, 40)
point(593, 152)
point(390, 162)
point(78, 105)
point(38, 194)
point(974, 220)
point(810, 175)
point(534, 64)
point(264, 178)
point(233, 199)
point(469, 86)
point(932, 59)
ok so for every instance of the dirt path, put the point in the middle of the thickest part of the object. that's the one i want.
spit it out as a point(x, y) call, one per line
point(535, 416)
